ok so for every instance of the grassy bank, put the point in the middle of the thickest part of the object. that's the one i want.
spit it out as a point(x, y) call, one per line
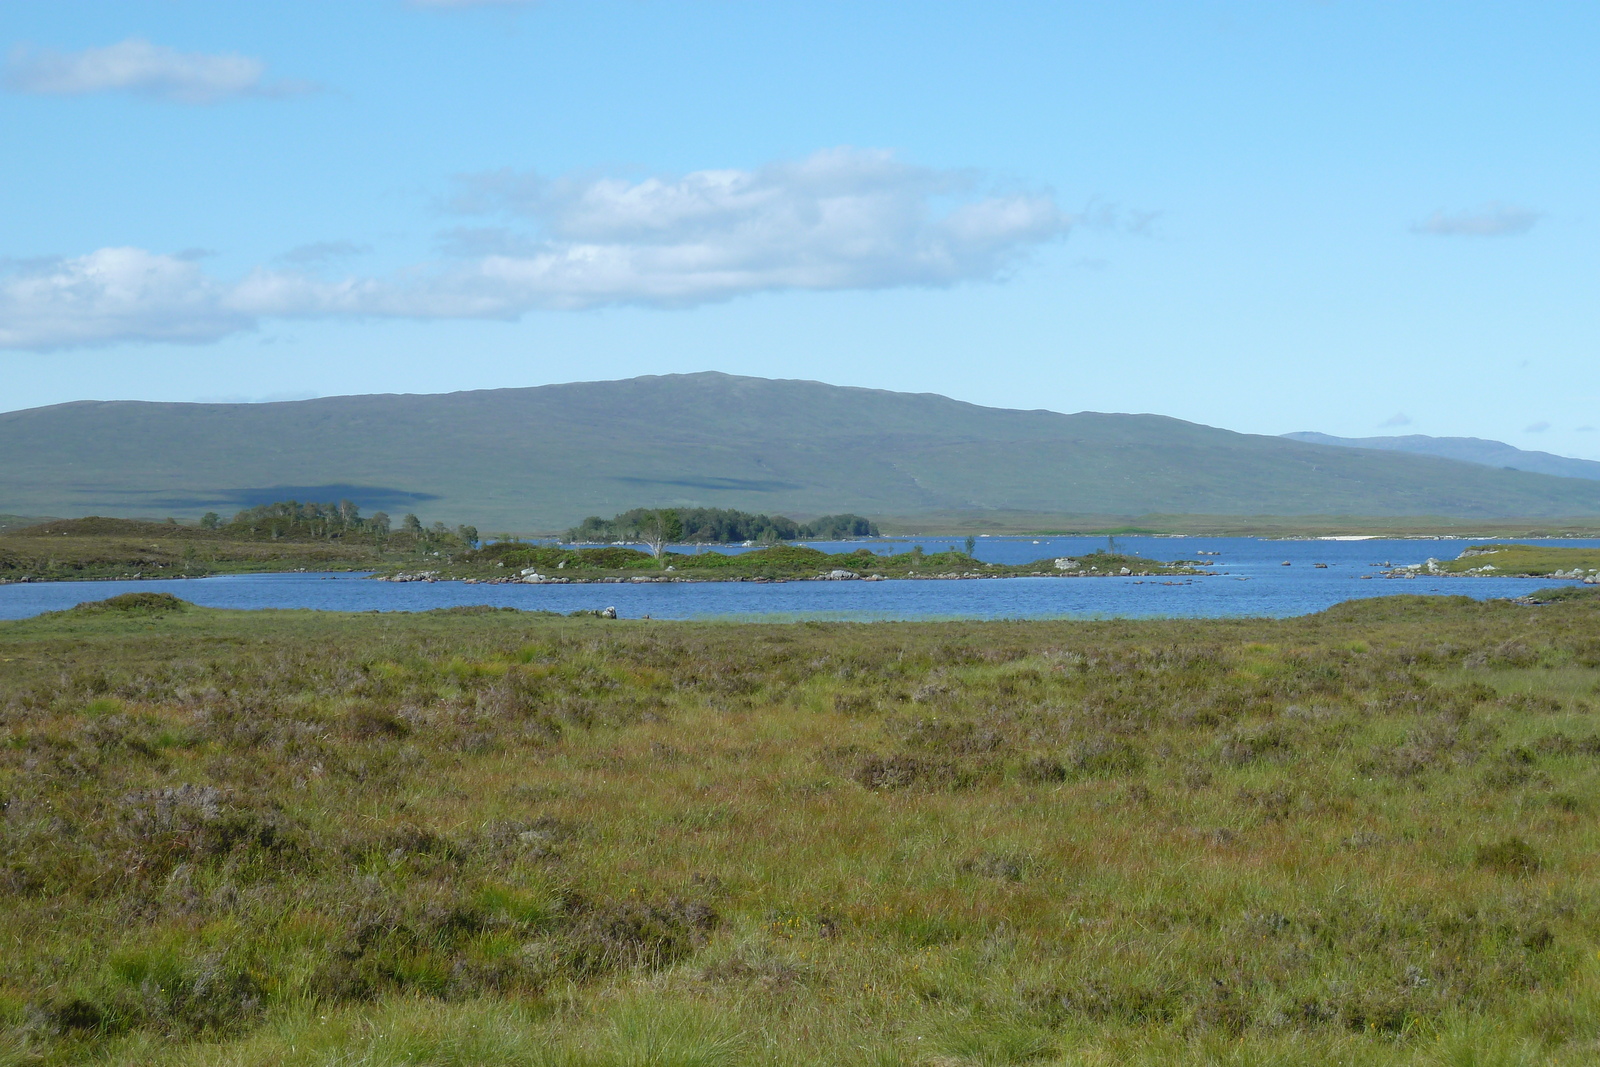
point(1529, 561)
point(99, 548)
point(514, 561)
point(485, 837)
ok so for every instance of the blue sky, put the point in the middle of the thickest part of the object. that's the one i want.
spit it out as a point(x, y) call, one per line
point(1358, 218)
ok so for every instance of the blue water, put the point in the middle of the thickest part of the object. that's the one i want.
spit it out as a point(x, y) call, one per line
point(1250, 581)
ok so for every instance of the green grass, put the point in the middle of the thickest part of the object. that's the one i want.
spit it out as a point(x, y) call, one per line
point(1534, 561)
point(174, 556)
point(106, 548)
point(1361, 837)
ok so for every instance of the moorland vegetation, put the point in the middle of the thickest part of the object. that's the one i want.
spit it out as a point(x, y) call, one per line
point(479, 836)
point(1530, 561)
point(284, 536)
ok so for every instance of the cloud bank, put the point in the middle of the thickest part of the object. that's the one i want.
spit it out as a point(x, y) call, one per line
point(139, 67)
point(840, 219)
point(1491, 220)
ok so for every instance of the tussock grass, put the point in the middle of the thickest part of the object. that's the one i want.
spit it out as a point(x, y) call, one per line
point(1364, 837)
point(172, 552)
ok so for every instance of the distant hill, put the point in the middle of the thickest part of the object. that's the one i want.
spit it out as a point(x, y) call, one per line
point(1466, 449)
point(544, 458)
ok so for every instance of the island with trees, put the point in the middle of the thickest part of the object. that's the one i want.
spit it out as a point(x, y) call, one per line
point(655, 545)
point(720, 526)
point(649, 557)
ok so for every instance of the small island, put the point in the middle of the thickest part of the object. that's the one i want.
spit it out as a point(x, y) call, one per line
point(1514, 561)
point(662, 545)
point(665, 533)
point(516, 562)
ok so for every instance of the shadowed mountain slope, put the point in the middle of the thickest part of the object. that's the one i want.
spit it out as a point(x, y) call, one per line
point(542, 458)
point(1466, 449)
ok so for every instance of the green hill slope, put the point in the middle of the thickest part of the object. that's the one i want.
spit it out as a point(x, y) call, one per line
point(1467, 449)
point(543, 458)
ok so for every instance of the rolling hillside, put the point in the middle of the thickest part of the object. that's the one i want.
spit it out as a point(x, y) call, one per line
point(1466, 449)
point(542, 458)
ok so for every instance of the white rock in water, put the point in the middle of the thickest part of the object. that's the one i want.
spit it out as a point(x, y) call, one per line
point(842, 575)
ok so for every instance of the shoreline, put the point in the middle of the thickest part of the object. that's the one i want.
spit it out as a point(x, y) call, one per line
point(673, 579)
point(607, 580)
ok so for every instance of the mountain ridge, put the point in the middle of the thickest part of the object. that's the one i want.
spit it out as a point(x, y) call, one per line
point(544, 457)
point(1467, 449)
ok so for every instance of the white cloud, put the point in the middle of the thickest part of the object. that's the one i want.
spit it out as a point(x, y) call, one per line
point(1493, 219)
point(841, 219)
point(1538, 427)
point(137, 66)
point(114, 294)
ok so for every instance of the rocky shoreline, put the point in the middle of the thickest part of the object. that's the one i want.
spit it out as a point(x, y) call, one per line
point(831, 576)
point(1430, 568)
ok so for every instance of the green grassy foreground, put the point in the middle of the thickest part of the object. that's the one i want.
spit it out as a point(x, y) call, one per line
point(486, 837)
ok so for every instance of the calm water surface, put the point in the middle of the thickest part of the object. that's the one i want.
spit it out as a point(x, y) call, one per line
point(1251, 580)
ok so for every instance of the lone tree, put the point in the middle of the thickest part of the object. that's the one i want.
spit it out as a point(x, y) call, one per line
point(658, 529)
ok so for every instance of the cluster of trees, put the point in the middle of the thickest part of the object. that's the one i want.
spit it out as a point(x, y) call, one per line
point(839, 527)
point(718, 526)
point(293, 521)
point(708, 525)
